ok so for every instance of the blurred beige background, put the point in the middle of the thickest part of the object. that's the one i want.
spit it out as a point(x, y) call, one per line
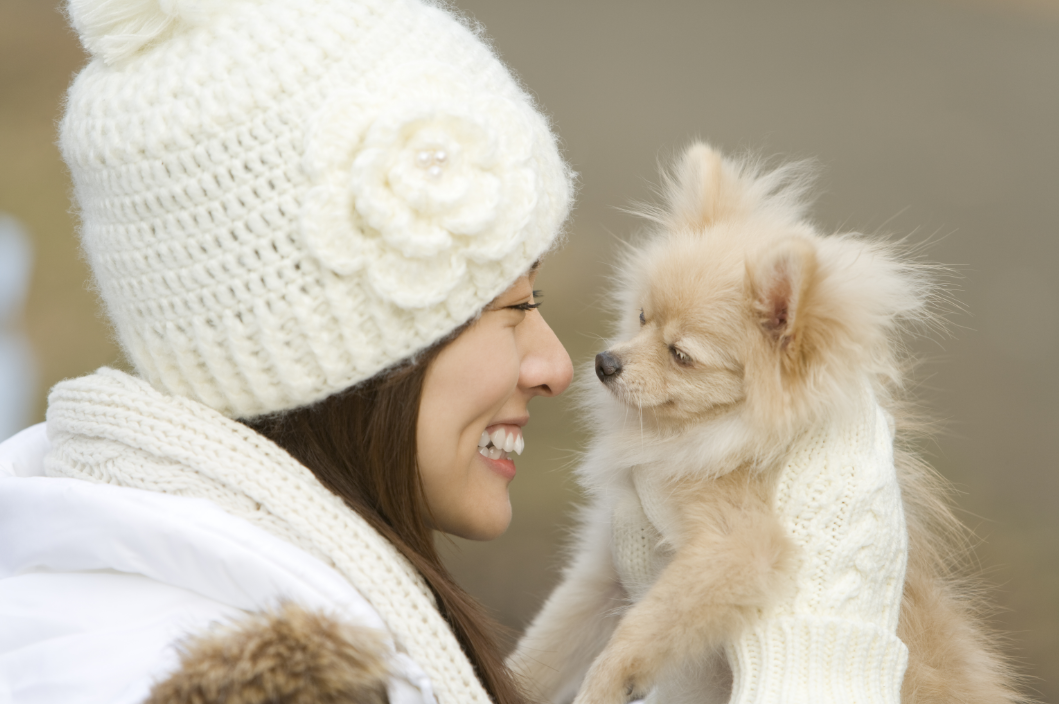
point(930, 118)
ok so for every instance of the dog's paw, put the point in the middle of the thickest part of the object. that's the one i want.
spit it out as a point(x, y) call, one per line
point(612, 680)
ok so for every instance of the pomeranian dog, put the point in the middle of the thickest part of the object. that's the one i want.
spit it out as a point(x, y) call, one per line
point(750, 349)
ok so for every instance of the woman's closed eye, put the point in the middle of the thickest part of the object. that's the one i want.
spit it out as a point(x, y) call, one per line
point(529, 305)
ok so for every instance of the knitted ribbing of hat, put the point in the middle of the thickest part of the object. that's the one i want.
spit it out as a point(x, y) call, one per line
point(839, 500)
point(113, 428)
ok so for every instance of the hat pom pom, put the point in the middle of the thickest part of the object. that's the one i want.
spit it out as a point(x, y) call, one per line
point(113, 30)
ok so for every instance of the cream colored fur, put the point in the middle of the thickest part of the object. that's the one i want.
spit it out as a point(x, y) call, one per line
point(754, 328)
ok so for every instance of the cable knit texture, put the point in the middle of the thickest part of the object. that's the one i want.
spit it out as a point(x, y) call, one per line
point(834, 639)
point(113, 428)
point(281, 198)
point(640, 553)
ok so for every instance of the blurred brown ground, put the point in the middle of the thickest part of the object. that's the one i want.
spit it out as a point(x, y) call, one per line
point(932, 118)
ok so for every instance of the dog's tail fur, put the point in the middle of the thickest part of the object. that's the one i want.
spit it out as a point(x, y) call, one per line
point(954, 656)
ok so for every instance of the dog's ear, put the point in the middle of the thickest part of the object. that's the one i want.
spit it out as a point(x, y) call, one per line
point(780, 284)
point(702, 190)
point(787, 328)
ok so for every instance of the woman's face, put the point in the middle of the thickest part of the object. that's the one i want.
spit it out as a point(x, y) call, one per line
point(476, 391)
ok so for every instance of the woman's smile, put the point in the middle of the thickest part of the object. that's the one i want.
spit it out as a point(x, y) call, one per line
point(499, 443)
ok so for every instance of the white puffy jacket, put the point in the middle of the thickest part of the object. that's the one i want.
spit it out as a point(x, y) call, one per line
point(98, 584)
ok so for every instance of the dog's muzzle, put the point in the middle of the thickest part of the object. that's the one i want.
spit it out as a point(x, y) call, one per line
point(608, 366)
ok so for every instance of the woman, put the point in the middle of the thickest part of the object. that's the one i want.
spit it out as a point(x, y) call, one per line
point(315, 225)
point(321, 218)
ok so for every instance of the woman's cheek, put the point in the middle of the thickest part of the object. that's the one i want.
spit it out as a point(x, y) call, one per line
point(495, 380)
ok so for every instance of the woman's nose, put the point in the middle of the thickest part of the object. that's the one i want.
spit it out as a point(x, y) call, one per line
point(546, 369)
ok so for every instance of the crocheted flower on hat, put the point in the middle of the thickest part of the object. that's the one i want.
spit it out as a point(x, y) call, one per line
point(416, 179)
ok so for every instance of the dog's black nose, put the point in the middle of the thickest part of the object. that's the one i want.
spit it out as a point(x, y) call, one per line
point(607, 366)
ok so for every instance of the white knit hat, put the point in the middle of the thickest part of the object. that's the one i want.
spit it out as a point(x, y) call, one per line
point(281, 198)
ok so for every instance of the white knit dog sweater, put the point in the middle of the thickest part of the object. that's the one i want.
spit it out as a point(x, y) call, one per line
point(834, 639)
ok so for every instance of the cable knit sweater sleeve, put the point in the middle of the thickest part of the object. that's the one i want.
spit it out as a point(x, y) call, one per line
point(834, 639)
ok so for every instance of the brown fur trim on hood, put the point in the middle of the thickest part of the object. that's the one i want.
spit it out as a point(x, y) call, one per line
point(287, 656)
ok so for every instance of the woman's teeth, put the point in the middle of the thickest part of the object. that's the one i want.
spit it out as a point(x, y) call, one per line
point(500, 444)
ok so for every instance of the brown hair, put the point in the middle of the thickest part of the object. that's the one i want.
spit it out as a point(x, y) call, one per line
point(361, 444)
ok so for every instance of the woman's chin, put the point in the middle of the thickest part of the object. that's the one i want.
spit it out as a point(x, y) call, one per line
point(483, 525)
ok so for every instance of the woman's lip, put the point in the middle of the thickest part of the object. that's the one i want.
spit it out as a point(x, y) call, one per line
point(520, 422)
point(503, 467)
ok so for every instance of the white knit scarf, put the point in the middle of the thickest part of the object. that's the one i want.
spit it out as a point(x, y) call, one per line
point(116, 429)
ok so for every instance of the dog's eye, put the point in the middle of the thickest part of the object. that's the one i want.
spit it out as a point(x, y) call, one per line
point(682, 359)
point(643, 320)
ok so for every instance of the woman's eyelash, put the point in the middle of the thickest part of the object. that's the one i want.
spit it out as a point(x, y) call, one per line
point(529, 306)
